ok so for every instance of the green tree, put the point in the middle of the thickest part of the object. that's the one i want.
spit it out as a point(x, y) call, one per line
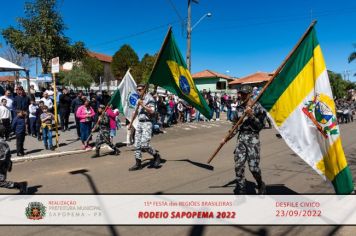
point(93, 67)
point(338, 85)
point(146, 66)
point(41, 34)
point(122, 60)
point(77, 77)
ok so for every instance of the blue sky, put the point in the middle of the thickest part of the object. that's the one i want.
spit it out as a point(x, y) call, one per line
point(241, 37)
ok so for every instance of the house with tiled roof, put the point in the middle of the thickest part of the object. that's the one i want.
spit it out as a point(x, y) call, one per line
point(258, 79)
point(209, 80)
point(108, 79)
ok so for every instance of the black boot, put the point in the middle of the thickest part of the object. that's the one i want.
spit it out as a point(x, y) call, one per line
point(261, 186)
point(156, 160)
point(115, 151)
point(137, 166)
point(22, 186)
point(97, 153)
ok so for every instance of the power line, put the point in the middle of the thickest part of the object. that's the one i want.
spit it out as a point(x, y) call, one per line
point(132, 35)
point(176, 11)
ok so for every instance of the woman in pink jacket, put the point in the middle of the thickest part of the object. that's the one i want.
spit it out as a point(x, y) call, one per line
point(85, 114)
point(112, 118)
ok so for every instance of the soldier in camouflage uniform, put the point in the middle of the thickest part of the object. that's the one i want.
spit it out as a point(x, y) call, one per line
point(248, 142)
point(145, 115)
point(104, 133)
point(6, 165)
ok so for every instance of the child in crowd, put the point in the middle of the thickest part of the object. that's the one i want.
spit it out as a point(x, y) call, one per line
point(32, 115)
point(46, 119)
point(112, 120)
point(19, 127)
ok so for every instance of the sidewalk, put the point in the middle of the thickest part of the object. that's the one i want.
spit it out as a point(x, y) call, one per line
point(68, 144)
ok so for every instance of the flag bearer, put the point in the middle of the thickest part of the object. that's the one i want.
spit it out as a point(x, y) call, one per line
point(145, 115)
point(248, 142)
point(104, 133)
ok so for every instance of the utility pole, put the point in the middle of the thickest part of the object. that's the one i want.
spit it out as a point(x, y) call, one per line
point(189, 32)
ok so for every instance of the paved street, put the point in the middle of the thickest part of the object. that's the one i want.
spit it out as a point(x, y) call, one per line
point(185, 148)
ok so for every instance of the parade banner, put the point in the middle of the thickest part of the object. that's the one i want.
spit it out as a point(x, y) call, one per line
point(177, 210)
point(300, 103)
point(170, 72)
point(125, 97)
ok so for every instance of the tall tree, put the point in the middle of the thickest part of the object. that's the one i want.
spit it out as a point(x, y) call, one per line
point(93, 67)
point(41, 34)
point(122, 60)
point(338, 85)
point(77, 77)
point(143, 70)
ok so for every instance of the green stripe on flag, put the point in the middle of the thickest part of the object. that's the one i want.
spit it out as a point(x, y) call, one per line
point(292, 68)
point(342, 182)
point(115, 101)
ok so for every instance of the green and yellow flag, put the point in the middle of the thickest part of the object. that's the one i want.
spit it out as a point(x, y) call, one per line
point(300, 102)
point(170, 72)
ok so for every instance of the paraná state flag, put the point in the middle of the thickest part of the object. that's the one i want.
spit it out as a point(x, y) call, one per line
point(170, 72)
point(125, 97)
point(300, 102)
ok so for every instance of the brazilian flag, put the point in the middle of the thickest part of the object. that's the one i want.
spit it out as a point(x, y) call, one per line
point(170, 72)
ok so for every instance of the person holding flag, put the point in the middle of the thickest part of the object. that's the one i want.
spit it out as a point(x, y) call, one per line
point(248, 141)
point(145, 115)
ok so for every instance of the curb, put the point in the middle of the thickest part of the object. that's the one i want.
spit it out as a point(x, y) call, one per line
point(48, 155)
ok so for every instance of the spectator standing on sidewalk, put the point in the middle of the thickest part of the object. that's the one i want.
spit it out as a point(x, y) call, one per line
point(46, 120)
point(76, 103)
point(9, 102)
point(19, 127)
point(64, 109)
point(47, 101)
point(39, 111)
point(5, 118)
point(32, 115)
point(85, 114)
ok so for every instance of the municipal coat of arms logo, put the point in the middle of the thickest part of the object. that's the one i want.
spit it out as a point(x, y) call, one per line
point(132, 99)
point(321, 111)
point(35, 211)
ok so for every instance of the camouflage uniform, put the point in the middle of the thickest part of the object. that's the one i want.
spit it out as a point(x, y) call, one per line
point(143, 133)
point(104, 136)
point(5, 166)
point(248, 147)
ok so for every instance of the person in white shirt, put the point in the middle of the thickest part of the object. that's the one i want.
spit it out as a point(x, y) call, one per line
point(5, 118)
point(47, 101)
point(9, 100)
point(32, 115)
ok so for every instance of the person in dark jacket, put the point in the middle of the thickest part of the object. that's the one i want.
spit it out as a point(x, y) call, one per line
point(76, 103)
point(64, 109)
point(19, 127)
point(21, 101)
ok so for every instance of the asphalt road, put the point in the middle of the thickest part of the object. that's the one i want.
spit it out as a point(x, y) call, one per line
point(186, 148)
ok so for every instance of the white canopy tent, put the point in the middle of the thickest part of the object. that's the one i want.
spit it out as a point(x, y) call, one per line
point(6, 65)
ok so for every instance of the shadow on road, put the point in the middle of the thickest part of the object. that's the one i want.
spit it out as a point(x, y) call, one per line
point(84, 172)
point(198, 164)
point(271, 189)
point(33, 189)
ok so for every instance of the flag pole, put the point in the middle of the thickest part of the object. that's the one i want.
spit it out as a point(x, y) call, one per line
point(154, 65)
point(239, 122)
